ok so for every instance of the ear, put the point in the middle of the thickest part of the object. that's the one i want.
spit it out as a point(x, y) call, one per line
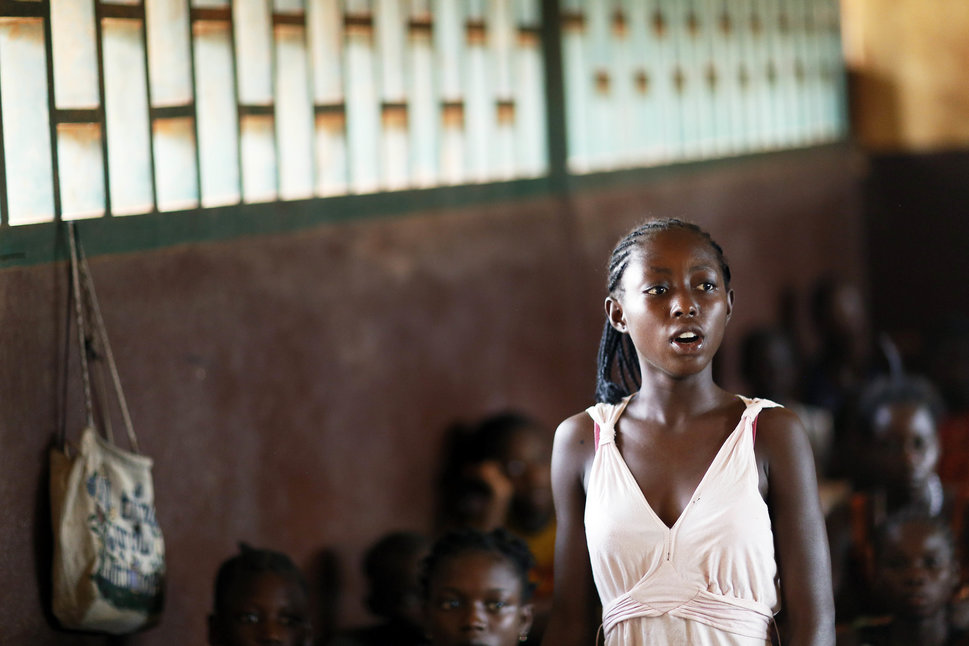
point(526, 616)
point(729, 304)
point(615, 314)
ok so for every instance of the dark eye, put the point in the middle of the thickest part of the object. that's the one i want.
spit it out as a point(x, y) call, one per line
point(656, 290)
point(495, 606)
point(707, 286)
point(448, 604)
point(247, 618)
point(292, 620)
point(933, 563)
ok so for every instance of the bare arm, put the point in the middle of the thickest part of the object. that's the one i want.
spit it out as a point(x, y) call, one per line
point(799, 531)
point(571, 621)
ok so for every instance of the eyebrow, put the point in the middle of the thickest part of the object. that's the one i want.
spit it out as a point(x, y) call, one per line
point(460, 593)
point(665, 270)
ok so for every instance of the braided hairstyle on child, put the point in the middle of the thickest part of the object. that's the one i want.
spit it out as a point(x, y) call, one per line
point(617, 354)
point(498, 541)
point(249, 562)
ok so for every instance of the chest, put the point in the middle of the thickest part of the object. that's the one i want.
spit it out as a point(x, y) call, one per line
point(669, 466)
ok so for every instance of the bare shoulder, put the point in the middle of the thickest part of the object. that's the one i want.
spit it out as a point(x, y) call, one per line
point(575, 429)
point(574, 445)
point(780, 429)
point(784, 451)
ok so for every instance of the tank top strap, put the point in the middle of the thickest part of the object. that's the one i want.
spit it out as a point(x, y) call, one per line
point(605, 417)
point(752, 412)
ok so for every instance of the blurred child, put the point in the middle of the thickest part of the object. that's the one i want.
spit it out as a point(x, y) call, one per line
point(260, 598)
point(846, 358)
point(500, 477)
point(476, 589)
point(895, 453)
point(915, 575)
point(948, 365)
point(392, 567)
point(504, 460)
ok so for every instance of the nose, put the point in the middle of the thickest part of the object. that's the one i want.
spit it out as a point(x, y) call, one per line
point(271, 633)
point(684, 305)
point(475, 618)
point(915, 576)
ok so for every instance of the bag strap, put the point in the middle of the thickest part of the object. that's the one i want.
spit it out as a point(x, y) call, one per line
point(84, 295)
point(82, 339)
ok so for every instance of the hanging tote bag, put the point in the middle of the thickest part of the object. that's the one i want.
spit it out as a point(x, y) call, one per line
point(109, 554)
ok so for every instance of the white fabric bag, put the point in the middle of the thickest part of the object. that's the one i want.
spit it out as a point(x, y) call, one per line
point(109, 554)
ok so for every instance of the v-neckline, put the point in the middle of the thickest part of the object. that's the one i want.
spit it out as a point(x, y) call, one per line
point(635, 483)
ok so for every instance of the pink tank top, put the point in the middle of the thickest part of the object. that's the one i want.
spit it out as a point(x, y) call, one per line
point(711, 578)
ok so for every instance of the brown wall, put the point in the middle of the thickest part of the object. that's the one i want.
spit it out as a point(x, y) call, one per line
point(918, 231)
point(293, 389)
point(908, 69)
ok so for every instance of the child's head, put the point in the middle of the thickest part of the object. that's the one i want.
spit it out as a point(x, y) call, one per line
point(916, 570)
point(897, 440)
point(655, 249)
point(260, 597)
point(523, 450)
point(393, 566)
point(476, 589)
point(840, 315)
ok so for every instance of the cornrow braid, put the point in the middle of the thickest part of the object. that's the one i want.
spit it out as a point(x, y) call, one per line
point(249, 562)
point(618, 373)
point(498, 541)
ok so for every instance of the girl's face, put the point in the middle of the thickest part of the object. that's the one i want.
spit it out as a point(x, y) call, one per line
point(916, 570)
point(263, 608)
point(673, 303)
point(475, 599)
point(905, 450)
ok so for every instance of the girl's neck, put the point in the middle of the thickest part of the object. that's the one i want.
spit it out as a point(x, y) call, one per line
point(668, 399)
point(929, 496)
point(927, 631)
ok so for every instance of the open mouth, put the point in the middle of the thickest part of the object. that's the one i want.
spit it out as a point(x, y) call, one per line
point(687, 339)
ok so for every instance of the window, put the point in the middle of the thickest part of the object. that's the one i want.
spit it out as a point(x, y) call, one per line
point(694, 79)
point(142, 108)
point(163, 105)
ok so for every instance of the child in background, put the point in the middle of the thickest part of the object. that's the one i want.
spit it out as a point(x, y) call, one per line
point(260, 598)
point(846, 358)
point(948, 366)
point(895, 450)
point(392, 567)
point(476, 589)
point(504, 460)
point(915, 575)
point(500, 477)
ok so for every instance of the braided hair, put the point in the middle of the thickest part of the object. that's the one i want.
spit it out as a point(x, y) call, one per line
point(618, 372)
point(247, 563)
point(894, 390)
point(499, 542)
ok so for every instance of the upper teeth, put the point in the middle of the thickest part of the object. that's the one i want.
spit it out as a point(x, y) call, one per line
point(686, 336)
